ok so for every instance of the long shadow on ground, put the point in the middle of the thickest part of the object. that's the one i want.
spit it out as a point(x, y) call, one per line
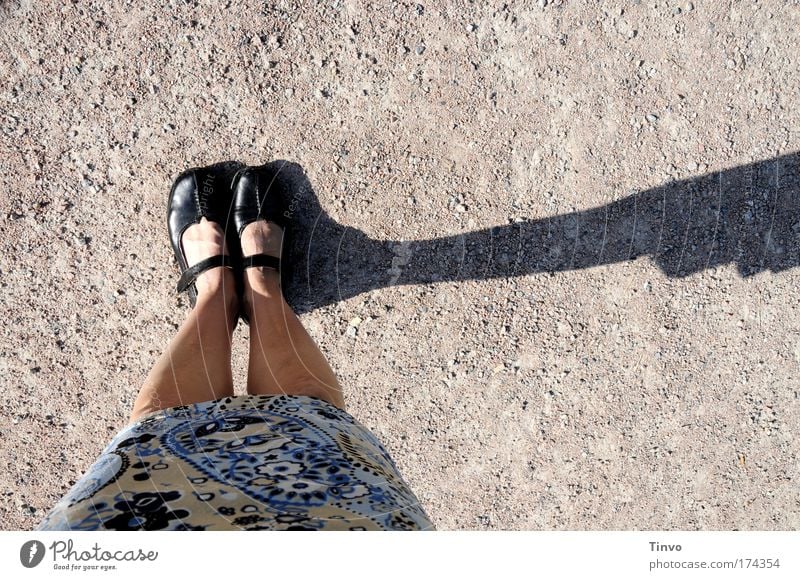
point(748, 215)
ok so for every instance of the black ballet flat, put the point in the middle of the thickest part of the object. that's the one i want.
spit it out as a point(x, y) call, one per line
point(260, 194)
point(202, 192)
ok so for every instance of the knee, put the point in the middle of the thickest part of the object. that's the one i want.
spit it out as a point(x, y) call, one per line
point(329, 393)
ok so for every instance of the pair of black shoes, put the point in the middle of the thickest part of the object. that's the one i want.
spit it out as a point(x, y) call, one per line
point(232, 196)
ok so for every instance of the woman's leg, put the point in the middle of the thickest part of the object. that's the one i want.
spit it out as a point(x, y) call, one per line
point(284, 359)
point(196, 366)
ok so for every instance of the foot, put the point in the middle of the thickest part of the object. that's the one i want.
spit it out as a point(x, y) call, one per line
point(201, 241)
point(261, 237)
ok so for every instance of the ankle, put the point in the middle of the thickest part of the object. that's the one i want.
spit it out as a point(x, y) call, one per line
point(263, 280)
point(260, 284)
point(215, 285)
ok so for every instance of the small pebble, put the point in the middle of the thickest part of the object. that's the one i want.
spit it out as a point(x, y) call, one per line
point(542, 3)
point(420, 49)
point(651, 118)
point(689, 7)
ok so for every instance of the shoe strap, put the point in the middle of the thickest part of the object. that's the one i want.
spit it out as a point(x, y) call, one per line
point(261, 261)
point(190, 274)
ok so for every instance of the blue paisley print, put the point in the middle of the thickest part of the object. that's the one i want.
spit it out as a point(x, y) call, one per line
point(247, 462)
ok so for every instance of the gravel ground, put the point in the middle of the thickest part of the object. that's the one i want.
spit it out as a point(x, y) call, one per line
point(554, 249)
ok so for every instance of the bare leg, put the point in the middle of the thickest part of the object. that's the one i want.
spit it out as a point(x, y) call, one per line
point(284, 359)
point(196, 366)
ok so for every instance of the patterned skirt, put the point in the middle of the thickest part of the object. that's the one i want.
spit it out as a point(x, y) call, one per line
point(242, 463)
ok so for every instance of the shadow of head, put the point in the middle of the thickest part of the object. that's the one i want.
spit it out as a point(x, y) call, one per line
point(748, 216)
